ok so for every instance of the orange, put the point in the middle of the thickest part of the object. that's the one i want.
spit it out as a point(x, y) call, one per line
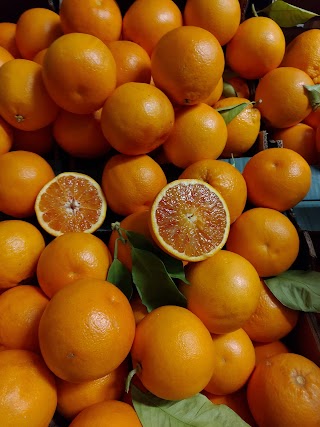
point(137, 222)
point(318, 139)
point(272, 320)
point(239, 85)
point(139, 309)
point(137, 118)
point(71, 201)
point(79, 72)
point(198, 224)
point(285, 391)
point(132, 61)
point(243, 130)
point(24, 101)
point(73, 398)
point(277, 178)
point(36, 29)
point(21, 246)
point(5, 56)
point(8, 38)
point(220, 17)
point(6, 136)
point(282, 98)
point(234, 361)
point(20, 311)
point(39, 57)
point(101, 19)
point(257, 47)
point(86, 330)
point(313, 119)
point(266, 238)
point(80, 135)
point(38, 141)
point(215, 94)
point(130, 183)
point(224, 291)
point(113, 412)
point(70, 257)
point(187, 64)
point(199, 133)
point(22, 175)
point(300, 138)
point(28, 395)
point(303, 53)
point(184, 365)
point(225, 178)
point(265, 350)
point(146, 21)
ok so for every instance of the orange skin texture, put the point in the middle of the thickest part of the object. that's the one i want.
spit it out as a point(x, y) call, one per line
point(6, 136)
point(243, 130)
point(101, 19)
point(137, 118)
point(38, 141)
point(277, 178)
point(36, 29)
point(86, 330)
point(130, 183)
point(80, 135)
point(272, 320)
point(73, 398)
point(266, 238)
point(199, 132)
point(146, 21)
point(139, 309)
point(318, 139)
point(281, 97)
point(114, 412)
point(313, 119)
point(285, 391)
point(22, 175)
point(234, 361)
point(184, 365)
point(39, 57)
point(257, 47)
point(8, 38)
point(187, 64)
point(215, 94)
point(69, 257)
point(224, 178)
point(28, 393)
point(300, 138)
point(25, 103)
point(265, 350)
point(222, 308)
point(22, 244)
point(79, 72)
point(303, 52)
point(220, 17)
point(5, 56)
point(22, 305)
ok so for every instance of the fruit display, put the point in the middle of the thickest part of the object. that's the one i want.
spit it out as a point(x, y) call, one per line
point(159, 213)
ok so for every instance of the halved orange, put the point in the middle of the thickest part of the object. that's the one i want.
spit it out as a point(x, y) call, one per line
point(189, 220)
point(71, 201)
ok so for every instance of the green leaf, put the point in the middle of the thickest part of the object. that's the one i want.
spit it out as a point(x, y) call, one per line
point(228, 90)
point(197, 411)
point(286, 15)
point(229, 113)
point(297, 289)
point(120, 276)
point(313, 93)
point(154, 285)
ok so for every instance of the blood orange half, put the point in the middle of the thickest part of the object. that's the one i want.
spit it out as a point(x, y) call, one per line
point(190, 220)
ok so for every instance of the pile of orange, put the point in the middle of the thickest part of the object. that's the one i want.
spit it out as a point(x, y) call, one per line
point(153, 104)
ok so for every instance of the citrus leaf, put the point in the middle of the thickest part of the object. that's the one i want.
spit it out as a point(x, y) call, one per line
point(154, 285)
point(228, 90)
point(197, 411)
point(173, 266)
point(229, 113)
point(120, 276)
point(297, 289)
point(287, 15)
point(313, 93)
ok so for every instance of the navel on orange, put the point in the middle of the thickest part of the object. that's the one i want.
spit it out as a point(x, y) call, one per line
point(71, 202)
point(190, 220)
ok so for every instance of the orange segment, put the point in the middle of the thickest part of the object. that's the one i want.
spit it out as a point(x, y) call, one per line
point(71, 202)
point(190, 220)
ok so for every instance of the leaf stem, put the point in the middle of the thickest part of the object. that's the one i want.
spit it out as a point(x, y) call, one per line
point(131, 374)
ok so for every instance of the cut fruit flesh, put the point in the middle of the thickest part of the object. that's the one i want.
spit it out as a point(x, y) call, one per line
point(190, 220)
point(71, 202)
